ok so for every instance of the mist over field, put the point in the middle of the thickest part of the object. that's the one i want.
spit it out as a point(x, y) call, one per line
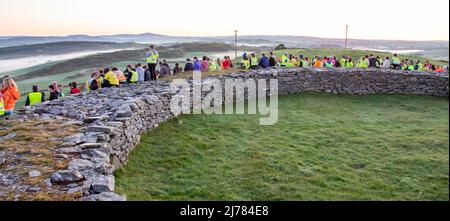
point(20, 63)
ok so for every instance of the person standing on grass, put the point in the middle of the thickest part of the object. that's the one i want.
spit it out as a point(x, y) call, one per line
point(10, 94)
point(35, 97)
point(152, 60)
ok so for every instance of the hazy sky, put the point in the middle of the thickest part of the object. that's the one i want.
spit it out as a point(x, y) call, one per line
point(378, 19)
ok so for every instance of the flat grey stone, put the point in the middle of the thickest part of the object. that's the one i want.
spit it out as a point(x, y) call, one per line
point(66, 176)
point(80, 164)
point(102, 184)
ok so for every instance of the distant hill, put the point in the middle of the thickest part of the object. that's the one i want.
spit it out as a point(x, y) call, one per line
point(146, 37)
point(59, 48)
point(434, 49)
point(105, 59)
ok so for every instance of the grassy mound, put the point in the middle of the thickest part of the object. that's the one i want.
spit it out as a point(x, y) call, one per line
point(324, 147)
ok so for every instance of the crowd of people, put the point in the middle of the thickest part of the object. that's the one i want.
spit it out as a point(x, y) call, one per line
point(136, 74)
point(369, 61)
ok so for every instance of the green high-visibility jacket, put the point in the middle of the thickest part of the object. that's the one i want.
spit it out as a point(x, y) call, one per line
point(284, 60)
point(153, 57)
point(134, 77)
point(246, 64)
point(420, 67)
point(254, 61)
point(363, 64)
point(343, 60)
point(395, 60)
point(35, 98)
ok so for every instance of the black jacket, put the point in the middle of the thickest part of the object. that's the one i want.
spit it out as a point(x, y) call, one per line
point(189, 67)
point(372, 62)
point(272, 62)
point(53, 96)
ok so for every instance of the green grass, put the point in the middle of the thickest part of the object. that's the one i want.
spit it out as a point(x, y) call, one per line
point(324, 147)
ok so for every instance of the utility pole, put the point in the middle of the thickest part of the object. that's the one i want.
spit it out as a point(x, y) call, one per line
point(346, 37)
point(235, 44)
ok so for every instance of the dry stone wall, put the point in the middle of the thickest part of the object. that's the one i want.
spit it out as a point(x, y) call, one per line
point(114, 119)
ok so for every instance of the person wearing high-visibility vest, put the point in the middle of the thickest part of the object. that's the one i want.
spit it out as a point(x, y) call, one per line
point(379, 62)
point(284, 60)
point(306, 62)
point(329, 63)
point(343, 61)
point(349, 63)
point(152, 60)
point(253, 61)
point(396, 63)
point(2, 107)
point(245, 64)
point(418, 66)
point(363, 63)
point(35, 97)
point(110, 79)
point(411, 66)
point(132, 75)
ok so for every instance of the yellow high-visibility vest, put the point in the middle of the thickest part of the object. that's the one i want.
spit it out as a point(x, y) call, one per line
point(35, 98)
point(254, 61)
point(289, 64)
point(246, 64)
point(343, 60)
point(395, 60)
point(349, 64)
point(420, 67)
point(284, 60)
point(363, 64)
point(134, 77)
point(2, 107)
point(112, 78)
point(153, 58)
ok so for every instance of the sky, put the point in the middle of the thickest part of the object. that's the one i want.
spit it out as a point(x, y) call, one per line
point(378, 19)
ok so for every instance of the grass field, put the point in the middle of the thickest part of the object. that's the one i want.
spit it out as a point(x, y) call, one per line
point(324, 147)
